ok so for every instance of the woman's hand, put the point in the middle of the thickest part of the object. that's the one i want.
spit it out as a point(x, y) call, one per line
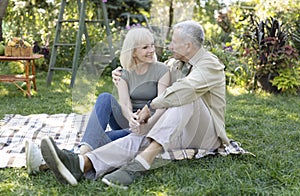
point(133, 120)
point(116, 75)
point(139, 121)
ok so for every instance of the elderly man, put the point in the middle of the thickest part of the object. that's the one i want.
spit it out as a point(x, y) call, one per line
point(196, 106)
point(194, 118)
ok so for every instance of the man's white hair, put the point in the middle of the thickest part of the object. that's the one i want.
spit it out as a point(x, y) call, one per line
point(192, 31)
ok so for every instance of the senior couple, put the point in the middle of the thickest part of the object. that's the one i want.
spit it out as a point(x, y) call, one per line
point(185, 104)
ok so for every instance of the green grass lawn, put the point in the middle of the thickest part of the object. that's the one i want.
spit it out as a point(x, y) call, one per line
point(267, 125)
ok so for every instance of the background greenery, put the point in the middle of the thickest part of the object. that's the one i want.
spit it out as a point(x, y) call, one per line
point(266, 124)
point(233, 31)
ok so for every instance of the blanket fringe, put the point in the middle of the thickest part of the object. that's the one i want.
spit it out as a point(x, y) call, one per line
point(234, 148)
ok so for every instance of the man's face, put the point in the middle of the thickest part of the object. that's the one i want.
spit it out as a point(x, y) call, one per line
point(178, 46)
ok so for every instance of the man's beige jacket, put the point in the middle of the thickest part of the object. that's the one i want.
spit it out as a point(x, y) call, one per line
point(206, 80)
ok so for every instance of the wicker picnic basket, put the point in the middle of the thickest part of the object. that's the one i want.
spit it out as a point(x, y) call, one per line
point(18, 47)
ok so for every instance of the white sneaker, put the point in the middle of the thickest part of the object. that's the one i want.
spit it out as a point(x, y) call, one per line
point(34, 158)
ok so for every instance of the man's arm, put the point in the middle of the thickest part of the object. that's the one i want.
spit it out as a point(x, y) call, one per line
point(188, 89)
point(116, 75)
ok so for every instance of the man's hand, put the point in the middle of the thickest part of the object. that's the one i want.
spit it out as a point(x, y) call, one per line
point(144, 115)
point(116, 74)
point(142, 129)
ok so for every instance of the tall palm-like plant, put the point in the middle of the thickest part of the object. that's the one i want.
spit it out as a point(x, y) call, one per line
point(271, 52)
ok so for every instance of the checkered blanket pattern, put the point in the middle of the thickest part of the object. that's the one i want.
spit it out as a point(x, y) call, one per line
point(66, 129)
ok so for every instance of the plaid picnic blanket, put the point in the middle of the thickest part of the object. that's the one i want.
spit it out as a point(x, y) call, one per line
point(66, 129)
point(234, 148)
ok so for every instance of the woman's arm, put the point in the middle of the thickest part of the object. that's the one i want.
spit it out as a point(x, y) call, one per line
point(163, 83)
point(125, 103)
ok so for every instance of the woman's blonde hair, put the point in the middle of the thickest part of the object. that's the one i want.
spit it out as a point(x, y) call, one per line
point(134, 38)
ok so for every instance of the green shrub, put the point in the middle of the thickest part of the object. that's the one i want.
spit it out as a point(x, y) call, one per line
point(288, 80)
point(237, 72)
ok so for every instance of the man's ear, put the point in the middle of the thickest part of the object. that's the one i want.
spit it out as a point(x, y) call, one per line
point(189, 46)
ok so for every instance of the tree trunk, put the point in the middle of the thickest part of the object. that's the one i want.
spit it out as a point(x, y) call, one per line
point(171, 15)
point(3, 6)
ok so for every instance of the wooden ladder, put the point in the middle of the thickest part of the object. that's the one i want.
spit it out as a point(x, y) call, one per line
point(82, 29)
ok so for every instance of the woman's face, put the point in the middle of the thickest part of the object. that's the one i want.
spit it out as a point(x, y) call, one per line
point(144, 53)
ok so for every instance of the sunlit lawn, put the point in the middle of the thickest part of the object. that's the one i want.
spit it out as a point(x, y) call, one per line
point(267, 125)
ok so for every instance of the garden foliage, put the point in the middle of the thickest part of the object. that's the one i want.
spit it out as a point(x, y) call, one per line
point(267, 44)
point(250, 44)
point(264, 52)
